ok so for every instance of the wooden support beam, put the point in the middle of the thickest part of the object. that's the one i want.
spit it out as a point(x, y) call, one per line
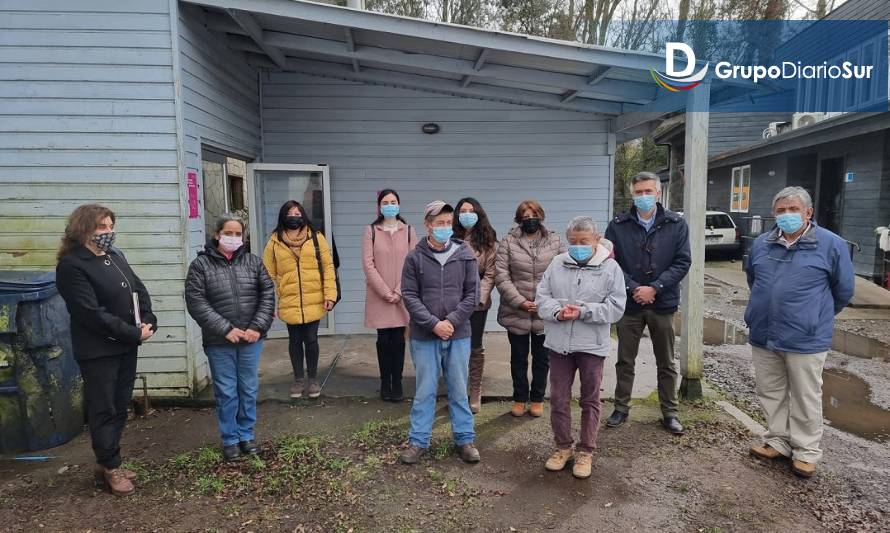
point(350, 47)
point(598, 76)
point(568, 96)
point(483, 55)
point(695, 194)
point(255, 32)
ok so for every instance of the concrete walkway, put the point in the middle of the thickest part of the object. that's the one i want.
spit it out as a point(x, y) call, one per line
point(356, 372)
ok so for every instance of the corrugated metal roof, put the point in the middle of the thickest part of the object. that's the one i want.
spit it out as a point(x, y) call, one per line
point(376, 48)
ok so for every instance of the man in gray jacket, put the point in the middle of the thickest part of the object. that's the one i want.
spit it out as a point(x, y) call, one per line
point(580, 296)
point(440, 287)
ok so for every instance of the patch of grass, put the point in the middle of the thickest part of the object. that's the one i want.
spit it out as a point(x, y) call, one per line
point(440, 449)
point(377, 434)
point(435, 475)
point(141, 469)
point(210, 485)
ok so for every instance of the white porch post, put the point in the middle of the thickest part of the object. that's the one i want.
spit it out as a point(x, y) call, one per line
point(695, 193)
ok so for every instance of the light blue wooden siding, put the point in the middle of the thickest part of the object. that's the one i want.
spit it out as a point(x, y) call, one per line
point(220, 108)
point(87, 115)
point(371, 138)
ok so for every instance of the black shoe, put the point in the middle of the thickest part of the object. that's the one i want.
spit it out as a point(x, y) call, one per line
point(248, 447)
point(397, 394)
point(385, 390)
point(231, 453)
point(616, 419)
point(673, 425)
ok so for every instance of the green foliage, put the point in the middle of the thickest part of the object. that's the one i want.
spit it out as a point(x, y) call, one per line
point(633, 157)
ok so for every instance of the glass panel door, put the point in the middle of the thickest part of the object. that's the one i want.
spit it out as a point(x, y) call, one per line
point(269, 187)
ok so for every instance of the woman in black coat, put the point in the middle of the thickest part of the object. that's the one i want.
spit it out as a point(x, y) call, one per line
point(231, 296)
point(110, 317)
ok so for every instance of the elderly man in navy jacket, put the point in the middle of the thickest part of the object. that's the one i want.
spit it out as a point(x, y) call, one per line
point(800, 277)
point(652, 247)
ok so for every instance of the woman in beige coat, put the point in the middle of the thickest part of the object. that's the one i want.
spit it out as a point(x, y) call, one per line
point(522, 258)
point(386, 243)
point(471, 225)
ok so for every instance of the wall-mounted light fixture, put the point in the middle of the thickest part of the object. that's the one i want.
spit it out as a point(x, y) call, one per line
point(430, 128)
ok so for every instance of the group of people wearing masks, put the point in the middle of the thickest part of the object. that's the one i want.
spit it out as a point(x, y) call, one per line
point(558, 301)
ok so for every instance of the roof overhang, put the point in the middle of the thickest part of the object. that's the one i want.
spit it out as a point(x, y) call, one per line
point(381, 49)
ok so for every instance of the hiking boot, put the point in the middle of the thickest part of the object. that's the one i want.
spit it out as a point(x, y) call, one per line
point(313, 390)
point(469, 453)
point(411, 455)
point(231, 453)
point(117, 483)
point(518, 409)
point(616, 419)
point(583, 466)
point(99, 474)
point(673, 425)
point(536, 409)
point(559, 460)
point(766, 452)
point(803, 468)
point(296, 390)
point(248, 447)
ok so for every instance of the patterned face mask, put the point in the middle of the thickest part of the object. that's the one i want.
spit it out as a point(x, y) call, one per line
point(104, 241)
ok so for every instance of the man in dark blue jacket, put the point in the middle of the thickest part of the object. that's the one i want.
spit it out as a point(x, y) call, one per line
point(652, 247)
point(800, 276)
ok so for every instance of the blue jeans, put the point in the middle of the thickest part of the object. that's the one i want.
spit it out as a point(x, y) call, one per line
point(235, 372)
point(452, 358)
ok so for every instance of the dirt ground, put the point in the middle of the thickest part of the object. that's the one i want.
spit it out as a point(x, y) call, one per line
point(331, 466)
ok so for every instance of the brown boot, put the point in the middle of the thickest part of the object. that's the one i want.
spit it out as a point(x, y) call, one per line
point(117, 483)
point(99, 473)
point(518, 409)
point(536, 409)
point(766, 452)
point(803, 468)
point(477, 363)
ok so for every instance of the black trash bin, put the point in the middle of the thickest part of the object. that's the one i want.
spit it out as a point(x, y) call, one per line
point(41, 392)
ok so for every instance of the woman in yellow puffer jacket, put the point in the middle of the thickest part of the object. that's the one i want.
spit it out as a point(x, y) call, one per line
point(306, 289)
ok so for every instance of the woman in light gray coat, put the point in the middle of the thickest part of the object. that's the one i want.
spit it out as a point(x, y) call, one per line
point(523, 256)
point(580, 296)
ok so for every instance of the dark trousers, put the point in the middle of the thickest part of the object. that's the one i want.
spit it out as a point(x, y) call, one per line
point(303, 343)
point(107, 391)
point(661, 331)
point(477, 328)
point(562, 376)
point(519, 348)
point(391, 358)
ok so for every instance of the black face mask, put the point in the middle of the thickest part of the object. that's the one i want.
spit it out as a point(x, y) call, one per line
point(294, 222)
point(531, 225)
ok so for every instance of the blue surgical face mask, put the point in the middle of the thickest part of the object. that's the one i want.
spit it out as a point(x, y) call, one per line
point(468, 220)
point(645, 203)
point(389, 210)
point(580, 252)
point(442, 235)
point(789, 222)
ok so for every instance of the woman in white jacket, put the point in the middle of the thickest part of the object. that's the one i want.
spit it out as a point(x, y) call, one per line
point(580, 296)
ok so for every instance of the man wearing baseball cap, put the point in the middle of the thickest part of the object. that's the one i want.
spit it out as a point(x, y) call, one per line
point(440, 288)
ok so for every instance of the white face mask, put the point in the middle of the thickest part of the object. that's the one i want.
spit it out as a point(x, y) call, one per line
point(230, 243)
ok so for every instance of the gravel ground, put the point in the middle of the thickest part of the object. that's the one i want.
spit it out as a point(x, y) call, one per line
point(852, 490)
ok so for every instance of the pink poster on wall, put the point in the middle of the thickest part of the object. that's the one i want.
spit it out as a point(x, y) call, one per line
point(192, 181)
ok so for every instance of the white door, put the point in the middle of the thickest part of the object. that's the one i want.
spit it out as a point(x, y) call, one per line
point(269, 186)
